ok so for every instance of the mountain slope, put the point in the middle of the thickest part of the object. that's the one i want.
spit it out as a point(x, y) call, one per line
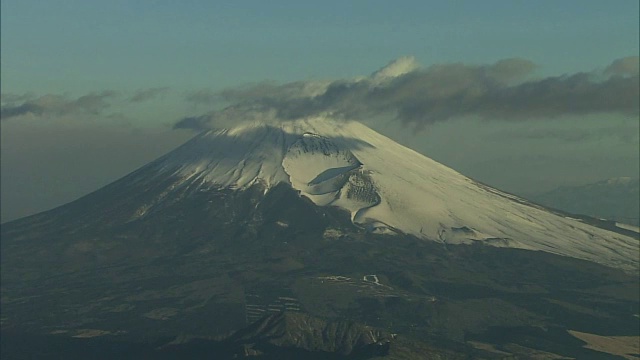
point(319, 219)
point(386, 187)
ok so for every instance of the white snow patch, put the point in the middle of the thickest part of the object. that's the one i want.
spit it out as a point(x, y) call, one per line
point(282, 224)
point(619, 180)
point(333, 234)
point(628, 227)
point(387, 187)
point(372, 279)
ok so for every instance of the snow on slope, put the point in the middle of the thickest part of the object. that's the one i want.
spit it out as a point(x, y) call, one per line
point(388, 188)
point(628, 227)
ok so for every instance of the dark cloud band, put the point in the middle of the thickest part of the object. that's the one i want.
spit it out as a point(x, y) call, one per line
point(420, 96)
point(57, 105)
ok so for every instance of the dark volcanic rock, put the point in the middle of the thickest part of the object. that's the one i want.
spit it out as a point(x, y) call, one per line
point(296, 330)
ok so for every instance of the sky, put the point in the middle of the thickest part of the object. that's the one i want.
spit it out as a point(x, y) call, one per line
point(522, 95)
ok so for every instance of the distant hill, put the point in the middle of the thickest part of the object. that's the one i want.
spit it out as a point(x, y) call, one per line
point(614, 199)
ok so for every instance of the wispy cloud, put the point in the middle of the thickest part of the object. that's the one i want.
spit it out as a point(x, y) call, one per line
point(55, 105)
point(10, 98)
point(202, 96)
point(419, 96)
point(147, 94)
point(627, 66)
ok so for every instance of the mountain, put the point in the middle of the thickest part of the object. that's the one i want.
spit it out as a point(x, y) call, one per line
point(387, 188)
point(326, 220)
point(615, 199)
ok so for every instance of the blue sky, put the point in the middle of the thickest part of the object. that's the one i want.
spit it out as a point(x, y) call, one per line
point(80, 46)
point(97, 56)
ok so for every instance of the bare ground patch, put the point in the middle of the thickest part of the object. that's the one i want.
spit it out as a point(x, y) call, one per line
point(625, 346)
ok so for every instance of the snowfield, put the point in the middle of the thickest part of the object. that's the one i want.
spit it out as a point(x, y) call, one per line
point(387, 188)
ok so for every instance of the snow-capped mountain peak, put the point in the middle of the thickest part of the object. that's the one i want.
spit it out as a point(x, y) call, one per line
point(386, 187)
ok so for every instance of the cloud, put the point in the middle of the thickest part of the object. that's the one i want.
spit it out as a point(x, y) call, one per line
point(10, 98)
point(147, 94)
point(193, 122)
point(625, 134)
point(7, 112)
point(400, 66)
point(626, 66)
point(202, 96)
point(55, 105)
point(229, 116)
point(418, 96)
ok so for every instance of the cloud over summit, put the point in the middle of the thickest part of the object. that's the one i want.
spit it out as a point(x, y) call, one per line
point(417, 96)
